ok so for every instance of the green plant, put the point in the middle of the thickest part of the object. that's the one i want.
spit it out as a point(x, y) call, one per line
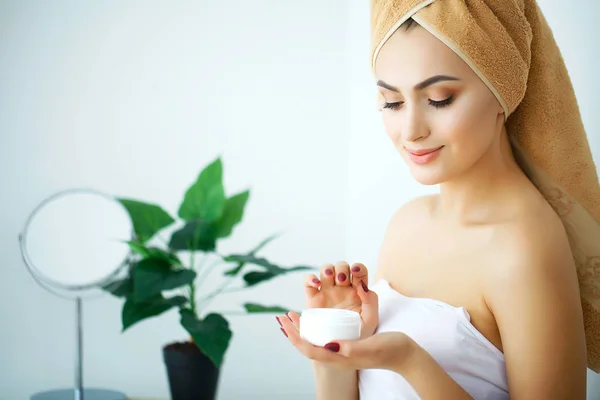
point(207, 216)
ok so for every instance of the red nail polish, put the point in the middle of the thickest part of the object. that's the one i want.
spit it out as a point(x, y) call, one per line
point(356, 269)
point(315, 280)
point(277, 318)
point(341, 277)
point(282, 330)
point(328, 272)
point(287, 314)
point(334, 347)
point(364, 285)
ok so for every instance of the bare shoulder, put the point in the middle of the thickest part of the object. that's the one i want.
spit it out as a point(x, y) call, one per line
point(412, 213)
point(531, 247)
point(414, 210)
point(532, 242)
point(532, 291)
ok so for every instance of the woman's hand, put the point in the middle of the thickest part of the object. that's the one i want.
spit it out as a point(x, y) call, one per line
point(340, 286)
point(389, 350)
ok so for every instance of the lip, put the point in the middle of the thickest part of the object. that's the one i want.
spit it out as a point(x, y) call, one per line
point(422, 152)
point(424, 156)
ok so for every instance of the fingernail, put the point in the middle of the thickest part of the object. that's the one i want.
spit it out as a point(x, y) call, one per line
point(287, 314)
point(341, 277)
point(356, 269)
point(364, 285)
point(277, 318)
point(335, 347)
point(315, 281)
point(328, 272)
point(282, 330)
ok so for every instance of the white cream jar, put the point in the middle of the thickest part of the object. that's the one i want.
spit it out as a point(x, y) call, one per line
point(320, 326)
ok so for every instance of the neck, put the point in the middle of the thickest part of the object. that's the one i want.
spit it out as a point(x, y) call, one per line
point(470, 198)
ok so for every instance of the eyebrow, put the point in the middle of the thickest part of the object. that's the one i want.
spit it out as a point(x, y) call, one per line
point(422, 85)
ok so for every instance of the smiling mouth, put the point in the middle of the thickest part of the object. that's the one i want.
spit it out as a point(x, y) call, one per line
point(423, 152)
point(424, 156)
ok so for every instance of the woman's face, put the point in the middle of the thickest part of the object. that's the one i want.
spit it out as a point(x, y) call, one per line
point(438, 113)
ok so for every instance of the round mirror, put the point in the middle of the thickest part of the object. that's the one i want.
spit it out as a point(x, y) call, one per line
point(76, 239)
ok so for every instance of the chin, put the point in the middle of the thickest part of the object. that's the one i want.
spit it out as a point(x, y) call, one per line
point(429, 174)
point(427, 180)
point(428, 177)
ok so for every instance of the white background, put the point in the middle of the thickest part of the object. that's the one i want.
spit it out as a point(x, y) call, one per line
point(135, 98)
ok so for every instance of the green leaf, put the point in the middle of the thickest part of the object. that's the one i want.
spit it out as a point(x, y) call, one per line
point(263, 262)
point(236, 270)
point(251, 259)
point(258, 308)
point(134, 312)
point(255, 277)
point(273, 271)
point(152, 276)
point(120, 288)
point(233, 213)
point(147, 219)
point(195, 235)
point(205, 199)
point(212, 334)
point(264, 243)
point(155, 253)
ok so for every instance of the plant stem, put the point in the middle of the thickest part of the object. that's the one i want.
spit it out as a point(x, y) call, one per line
point(193, 284)
point(202, 272)
point(205, 271)
point(162, 240)
point(221, 289)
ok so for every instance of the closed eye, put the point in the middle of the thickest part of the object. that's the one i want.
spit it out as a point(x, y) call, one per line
point(433, 103)
point(443, 103)
point(392, 106)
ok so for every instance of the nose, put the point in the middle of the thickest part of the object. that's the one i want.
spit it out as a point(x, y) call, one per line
point(412, 124)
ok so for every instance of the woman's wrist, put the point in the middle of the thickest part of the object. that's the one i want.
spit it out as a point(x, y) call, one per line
point(333, 382)
point(330, 368)
point(409, 359)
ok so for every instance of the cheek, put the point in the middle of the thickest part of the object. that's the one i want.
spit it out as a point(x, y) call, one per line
point(389, 125)
point(469, 129)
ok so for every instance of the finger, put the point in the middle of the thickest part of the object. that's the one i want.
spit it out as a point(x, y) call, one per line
point(342, 274)
point(370, 309)
point(280, 320)
point(327, 275)
point(295, 318)
point(307, 349)
point(359, 273)
point(358, 353)
point(311, 285)
point(284, 322)
point(366, 295)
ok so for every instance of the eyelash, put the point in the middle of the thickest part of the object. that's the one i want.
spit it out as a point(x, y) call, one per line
point(436, 104)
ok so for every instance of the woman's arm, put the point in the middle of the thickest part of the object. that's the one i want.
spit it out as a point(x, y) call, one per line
point(428, 378)
point(535, 300)
point(334, 383)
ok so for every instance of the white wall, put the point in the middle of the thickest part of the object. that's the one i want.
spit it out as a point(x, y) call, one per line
point(134, 99)
point(379, 182)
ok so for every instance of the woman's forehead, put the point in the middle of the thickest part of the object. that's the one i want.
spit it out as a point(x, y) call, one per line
point(408, 57)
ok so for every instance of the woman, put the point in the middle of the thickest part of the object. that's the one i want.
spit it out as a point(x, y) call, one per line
point(476, 293)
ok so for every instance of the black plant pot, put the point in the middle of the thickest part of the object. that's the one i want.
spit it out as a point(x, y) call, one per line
point(192, 376)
